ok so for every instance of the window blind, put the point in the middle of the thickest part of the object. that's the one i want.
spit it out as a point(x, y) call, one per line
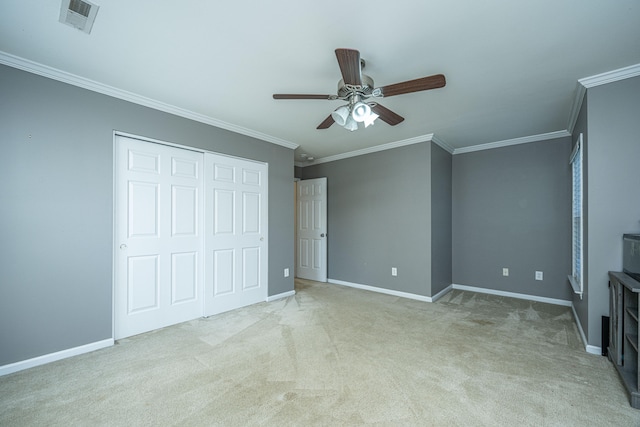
point(577, 218)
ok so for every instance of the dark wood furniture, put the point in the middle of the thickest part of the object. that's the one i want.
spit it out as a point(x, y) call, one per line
point(623, 331)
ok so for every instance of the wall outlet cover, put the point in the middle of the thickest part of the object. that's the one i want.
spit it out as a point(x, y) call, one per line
point(538, 275)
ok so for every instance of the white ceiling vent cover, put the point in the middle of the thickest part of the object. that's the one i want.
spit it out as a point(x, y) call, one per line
point(79, 14)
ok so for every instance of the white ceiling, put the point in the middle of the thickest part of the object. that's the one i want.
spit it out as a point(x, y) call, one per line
point(512, 67)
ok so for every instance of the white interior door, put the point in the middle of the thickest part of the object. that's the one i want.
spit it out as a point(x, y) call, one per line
point(311, 260)
point(159, 272)
point(235, 233)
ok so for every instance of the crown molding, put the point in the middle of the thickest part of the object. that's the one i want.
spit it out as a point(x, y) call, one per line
point(597, 80)
point(582, 85)
point(514, 141)
point(72, 79)
point(581, 91)
point(374, 149)
point(611, 76)
point(442, 144)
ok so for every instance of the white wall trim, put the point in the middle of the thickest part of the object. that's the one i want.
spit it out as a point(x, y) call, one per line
point(581, 91)
point(280, 296)
point(442, 144)
point(52, 357)
point(448, 289)
point(383, 147)
point(513, 295)
point(597, 80)
point(591, 349)
point(588, 348)
point(381, 290)
point(72, 79)
point(611, 76)
point(514, 141)
point(442, 293)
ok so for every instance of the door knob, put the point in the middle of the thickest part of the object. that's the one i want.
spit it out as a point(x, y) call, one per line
point(123, 246)
point(322, 235)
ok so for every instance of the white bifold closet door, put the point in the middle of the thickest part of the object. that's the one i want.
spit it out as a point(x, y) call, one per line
point(190, 235)
point(236, 233)
point(159, 236)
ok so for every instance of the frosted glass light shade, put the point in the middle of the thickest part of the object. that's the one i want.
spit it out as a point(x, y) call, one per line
point(351, 124)
point(360, 111)
point(340, 115)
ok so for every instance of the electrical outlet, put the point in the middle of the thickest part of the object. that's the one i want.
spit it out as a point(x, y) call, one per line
point(538, 275)
point(505, 271)
point(286, 272)
point(394, 271)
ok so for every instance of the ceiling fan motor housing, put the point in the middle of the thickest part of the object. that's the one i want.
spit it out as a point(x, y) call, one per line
point(365, 89)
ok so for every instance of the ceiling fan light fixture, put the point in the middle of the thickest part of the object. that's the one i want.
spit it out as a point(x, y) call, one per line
point(370, 119)
point(360, 111)
point(351, 124)
point(341, 115)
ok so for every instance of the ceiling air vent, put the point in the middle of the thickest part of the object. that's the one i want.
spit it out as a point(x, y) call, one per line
point(78, 14)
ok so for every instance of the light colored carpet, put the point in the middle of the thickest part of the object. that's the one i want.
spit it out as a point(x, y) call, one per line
point(333, 355)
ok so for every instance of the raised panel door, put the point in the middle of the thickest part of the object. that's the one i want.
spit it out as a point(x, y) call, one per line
point(235, 233)
point(159, 267)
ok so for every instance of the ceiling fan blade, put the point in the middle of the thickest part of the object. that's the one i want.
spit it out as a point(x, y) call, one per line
point(326, 123)
point(295, 96)
point(387, 115)
point(424, 83)
point(349, 62)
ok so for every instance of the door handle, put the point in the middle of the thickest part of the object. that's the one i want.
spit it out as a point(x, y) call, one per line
point(123, 246)
point(322, 235)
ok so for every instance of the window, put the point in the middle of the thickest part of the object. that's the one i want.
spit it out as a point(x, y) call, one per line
point(575, 278)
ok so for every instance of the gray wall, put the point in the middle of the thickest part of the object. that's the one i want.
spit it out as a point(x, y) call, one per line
point(613, 186)
point(441, 219)
point(56, 207)
point(512, 208)
point(379, 217)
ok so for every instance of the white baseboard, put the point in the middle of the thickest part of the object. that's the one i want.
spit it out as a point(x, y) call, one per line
point(448, 289)
point(588, 348)
point(381, 290)
point(513, 295)
point(591, 349)
point(52, 357)
point(280, 296)
point(442, 293)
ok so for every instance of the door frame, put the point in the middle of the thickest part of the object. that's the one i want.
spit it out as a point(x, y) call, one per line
point(325, 236)
point(114, 237)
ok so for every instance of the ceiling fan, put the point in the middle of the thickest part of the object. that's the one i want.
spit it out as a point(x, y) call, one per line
point(356, 88)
